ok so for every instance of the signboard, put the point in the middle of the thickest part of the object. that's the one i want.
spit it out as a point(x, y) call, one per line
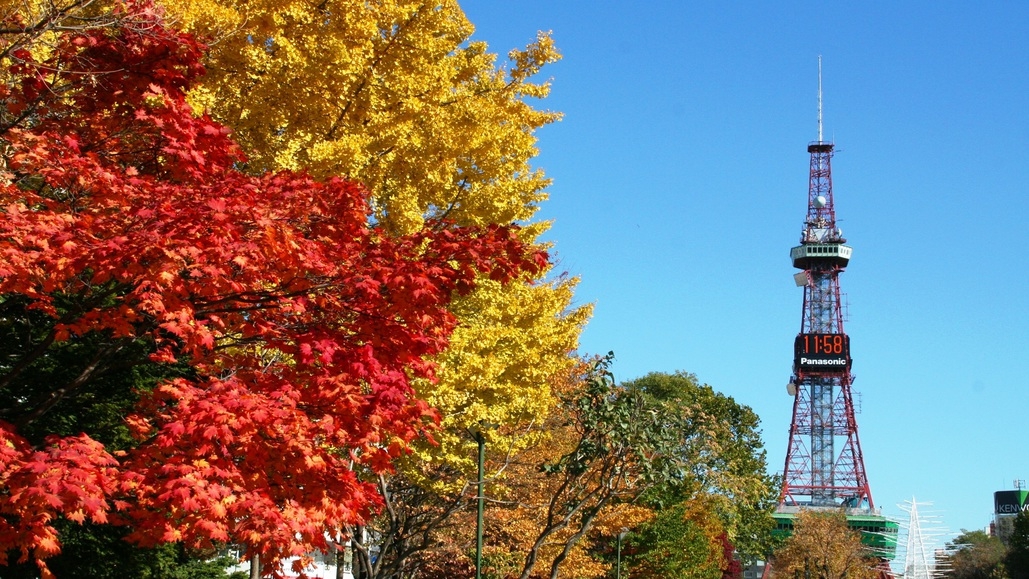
point(1010, 502)
point(822, 352)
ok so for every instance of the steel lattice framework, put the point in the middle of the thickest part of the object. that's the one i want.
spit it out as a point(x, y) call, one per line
point(824, 464)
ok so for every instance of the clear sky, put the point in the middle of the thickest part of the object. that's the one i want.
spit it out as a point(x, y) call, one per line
point(680, 184)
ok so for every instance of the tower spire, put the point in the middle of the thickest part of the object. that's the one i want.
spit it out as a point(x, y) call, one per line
point(820, 98)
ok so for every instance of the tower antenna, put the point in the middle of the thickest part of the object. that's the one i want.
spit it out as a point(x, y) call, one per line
point(819, 98)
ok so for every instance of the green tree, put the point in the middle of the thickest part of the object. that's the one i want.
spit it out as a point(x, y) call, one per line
point(617, 455)
point(617, 445)
point(976, 555)
point(681, 542)
point(731, 477)
point(92, 551)
point(1017, 560)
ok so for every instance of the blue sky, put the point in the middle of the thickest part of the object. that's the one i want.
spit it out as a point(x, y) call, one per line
point(680, 184)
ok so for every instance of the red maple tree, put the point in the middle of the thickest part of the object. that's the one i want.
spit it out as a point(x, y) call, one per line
point(125, 222)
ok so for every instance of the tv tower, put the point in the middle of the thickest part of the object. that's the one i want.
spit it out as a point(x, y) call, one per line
point(825, 468)
point(824, 464)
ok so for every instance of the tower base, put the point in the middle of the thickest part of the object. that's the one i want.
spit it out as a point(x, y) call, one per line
point(878, 533)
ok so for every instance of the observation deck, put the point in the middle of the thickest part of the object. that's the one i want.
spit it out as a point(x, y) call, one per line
point(831, 254)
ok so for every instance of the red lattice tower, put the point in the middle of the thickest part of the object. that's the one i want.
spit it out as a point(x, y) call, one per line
point(824, 464)
point(825, 469)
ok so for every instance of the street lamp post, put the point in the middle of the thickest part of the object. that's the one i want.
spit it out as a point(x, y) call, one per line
point(482, 504)
point(480, 439)
point(618, 555)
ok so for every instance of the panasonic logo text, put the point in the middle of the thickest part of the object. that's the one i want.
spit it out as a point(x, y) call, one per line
point(821, 362)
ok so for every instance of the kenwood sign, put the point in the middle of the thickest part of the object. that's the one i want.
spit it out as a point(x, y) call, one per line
point(1010, 502)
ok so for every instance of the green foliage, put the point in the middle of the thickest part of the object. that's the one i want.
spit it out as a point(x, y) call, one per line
point(118, 372)
point(726, 464)
point(977, 555)
point(101, 374)
point(92, 551)
point(625, 422)
point(667, 443)
point(1017, 560)
point(616, 444)
point(672, 546)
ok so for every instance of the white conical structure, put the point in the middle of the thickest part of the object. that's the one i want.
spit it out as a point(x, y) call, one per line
point(916, 560)
point(923, 536)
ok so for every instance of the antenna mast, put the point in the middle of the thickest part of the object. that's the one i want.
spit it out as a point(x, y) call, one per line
point(819, 98)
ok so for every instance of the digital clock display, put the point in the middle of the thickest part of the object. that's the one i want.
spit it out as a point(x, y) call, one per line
point(822, 352)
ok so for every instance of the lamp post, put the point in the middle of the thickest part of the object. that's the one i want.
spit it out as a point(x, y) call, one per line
point(480, 439)
point(482, 504)
point(618, 556)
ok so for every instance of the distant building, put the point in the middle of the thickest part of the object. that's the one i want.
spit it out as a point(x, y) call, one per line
point(323, 566)
point(1006, 506)
point(942, 560)
point(754, 571)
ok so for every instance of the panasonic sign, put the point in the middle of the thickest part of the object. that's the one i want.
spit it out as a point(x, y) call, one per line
point(823, 362)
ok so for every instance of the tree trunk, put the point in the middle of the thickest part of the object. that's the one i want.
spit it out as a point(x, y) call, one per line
point(361, 558)
point(585, 524)
point(255, 566)
point(341, 559)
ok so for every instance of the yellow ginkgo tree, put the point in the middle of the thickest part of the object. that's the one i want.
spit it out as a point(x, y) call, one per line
point(391, 93)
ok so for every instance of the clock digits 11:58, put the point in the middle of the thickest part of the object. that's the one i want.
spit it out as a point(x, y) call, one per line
point(822, 352)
